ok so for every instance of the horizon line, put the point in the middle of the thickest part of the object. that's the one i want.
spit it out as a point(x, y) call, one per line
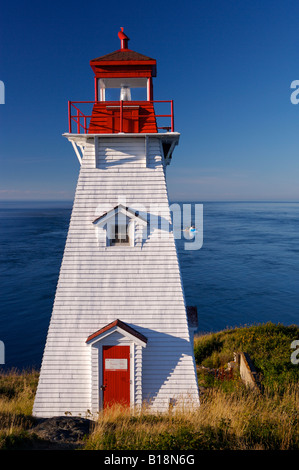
point(183, 201)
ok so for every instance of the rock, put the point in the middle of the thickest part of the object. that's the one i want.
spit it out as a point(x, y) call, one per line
point(64, 431)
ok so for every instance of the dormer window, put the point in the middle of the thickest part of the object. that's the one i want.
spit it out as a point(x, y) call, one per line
point(121, 235)
point(120, 227)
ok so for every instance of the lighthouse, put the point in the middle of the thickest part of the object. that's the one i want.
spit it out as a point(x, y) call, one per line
point(120, 329)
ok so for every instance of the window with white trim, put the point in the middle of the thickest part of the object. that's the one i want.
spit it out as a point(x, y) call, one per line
point(121, 235)
point(117, 227)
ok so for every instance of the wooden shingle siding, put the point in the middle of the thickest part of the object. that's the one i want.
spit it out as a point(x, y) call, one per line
point(97, 284)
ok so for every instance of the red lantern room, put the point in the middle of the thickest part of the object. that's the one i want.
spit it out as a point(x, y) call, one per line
point(123, 95)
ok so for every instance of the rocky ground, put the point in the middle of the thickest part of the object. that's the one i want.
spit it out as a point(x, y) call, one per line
point(61, 433)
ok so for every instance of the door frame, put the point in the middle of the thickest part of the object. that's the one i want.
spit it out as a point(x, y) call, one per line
point(115, 336)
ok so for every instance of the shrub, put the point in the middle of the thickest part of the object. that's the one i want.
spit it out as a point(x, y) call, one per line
point(206, 347)
point(268, 346)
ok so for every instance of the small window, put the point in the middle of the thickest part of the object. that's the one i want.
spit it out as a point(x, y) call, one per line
point(121, 235)
point(120, 226)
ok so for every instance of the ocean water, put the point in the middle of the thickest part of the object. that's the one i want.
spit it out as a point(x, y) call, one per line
point(247, 271)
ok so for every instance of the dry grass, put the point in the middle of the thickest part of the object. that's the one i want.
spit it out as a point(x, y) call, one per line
point(230, 416)
point(17, 391)
point(237, 421)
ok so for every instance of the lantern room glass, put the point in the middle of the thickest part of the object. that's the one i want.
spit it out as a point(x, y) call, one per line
point(126, 89)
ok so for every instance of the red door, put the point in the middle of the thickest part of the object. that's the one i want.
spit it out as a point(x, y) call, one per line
point(130, 119)
point(116, 375)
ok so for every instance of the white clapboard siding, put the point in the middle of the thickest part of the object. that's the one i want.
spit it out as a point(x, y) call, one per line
point(138, 285)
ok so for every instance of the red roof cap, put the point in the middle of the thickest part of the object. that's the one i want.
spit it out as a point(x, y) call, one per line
point(123, 39)
point(124, 62)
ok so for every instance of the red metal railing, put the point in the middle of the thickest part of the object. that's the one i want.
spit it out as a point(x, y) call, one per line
point(75, 115)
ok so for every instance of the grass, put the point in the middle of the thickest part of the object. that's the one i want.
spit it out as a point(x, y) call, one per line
point(230, 417)
point(268, 346)
point(238, 421)
point(17, 391)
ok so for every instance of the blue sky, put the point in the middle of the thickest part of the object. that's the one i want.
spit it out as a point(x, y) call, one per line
point(228, 66)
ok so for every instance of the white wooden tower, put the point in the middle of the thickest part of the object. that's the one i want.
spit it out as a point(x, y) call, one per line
point(120, 330)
